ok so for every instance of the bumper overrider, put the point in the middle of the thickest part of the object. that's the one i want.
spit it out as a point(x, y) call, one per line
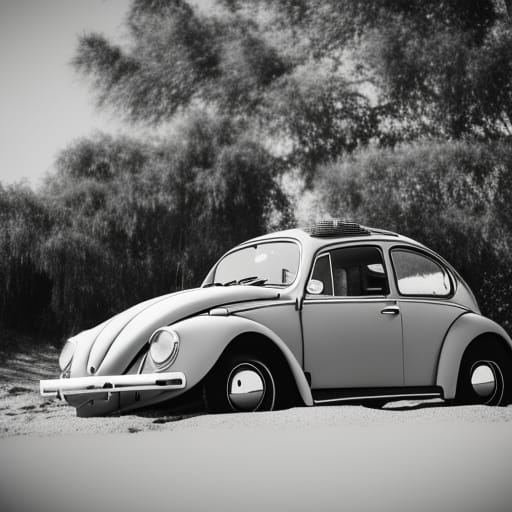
point(164, 381)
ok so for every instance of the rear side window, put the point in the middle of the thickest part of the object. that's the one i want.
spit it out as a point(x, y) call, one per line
point(417, 274)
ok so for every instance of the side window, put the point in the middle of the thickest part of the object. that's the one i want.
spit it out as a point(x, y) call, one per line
point(358, 271)
point(352, 271)
point(417, 274)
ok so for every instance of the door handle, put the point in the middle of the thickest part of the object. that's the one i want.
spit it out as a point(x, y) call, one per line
point(391, 310)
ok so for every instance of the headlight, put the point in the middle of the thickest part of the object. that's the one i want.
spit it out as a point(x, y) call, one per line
point(164, 344)
point(66, 354)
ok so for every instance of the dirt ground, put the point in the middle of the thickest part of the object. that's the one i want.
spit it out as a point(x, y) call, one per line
point(24, 412)
point(407, 456)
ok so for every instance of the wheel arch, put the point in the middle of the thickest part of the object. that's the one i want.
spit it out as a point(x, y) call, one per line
point(227, 333)
point(258, 344)
point(466, 331)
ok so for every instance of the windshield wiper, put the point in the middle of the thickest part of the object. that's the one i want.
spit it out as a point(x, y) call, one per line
point(252, 281)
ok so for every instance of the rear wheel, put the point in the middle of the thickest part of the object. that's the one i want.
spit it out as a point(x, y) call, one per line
point(240, 383)
point(485, 376)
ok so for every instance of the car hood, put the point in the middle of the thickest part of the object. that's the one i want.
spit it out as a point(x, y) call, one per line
point(121, 337)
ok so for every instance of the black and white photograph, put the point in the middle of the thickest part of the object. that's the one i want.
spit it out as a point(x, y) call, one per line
point(256, 255)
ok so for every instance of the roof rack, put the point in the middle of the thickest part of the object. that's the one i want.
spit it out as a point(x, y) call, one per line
point(336, 228)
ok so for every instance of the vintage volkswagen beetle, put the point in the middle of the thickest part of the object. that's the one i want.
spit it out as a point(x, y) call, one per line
point(335, 313)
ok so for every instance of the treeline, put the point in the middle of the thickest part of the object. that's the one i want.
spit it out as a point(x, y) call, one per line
point(394, 113)
point(121, 221)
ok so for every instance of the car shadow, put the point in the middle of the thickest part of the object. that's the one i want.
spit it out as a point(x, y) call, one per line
point(409, 405)
point(166, 414)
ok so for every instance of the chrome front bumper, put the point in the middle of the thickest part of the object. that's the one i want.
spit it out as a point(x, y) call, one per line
point(113, 383)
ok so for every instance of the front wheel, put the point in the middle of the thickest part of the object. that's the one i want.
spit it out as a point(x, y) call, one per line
point(485, 376)
point(240, 383)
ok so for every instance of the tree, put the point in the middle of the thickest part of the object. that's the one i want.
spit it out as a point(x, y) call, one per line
point(134, 220)
point(424, 60)
point(265, 78)
point(453, 196)
point(315, 78)
point(24, 220)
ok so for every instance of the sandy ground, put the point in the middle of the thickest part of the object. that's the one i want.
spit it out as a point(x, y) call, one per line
point(408, 456)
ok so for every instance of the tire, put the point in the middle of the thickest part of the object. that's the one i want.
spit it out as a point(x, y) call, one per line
point(485, 376)
point(240, 383)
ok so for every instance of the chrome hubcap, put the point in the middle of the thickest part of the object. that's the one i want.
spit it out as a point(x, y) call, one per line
point(246, 387)
point(483, 379)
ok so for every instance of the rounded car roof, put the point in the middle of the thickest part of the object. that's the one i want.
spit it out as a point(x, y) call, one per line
point(317, 241)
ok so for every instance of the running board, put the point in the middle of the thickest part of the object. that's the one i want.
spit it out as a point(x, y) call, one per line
point(425, 396)
point(359, 395)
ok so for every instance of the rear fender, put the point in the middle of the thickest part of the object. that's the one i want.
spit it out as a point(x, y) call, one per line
point(463, 331)
point(204, 338)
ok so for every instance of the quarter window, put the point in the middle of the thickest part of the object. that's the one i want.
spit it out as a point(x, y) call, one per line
point(417, 274)
point(322, 272)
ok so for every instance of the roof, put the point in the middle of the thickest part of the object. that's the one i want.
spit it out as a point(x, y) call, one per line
point(323, 232)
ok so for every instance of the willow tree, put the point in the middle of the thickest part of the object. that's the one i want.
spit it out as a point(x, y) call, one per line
point(25, 292)
point(134, 219)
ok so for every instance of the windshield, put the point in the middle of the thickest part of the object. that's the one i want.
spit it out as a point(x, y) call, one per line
point(272, 264)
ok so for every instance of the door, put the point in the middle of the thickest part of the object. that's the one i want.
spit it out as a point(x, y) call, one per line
point(352, 329)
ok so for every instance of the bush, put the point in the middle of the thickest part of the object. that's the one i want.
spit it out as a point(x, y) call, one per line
point(455, 197)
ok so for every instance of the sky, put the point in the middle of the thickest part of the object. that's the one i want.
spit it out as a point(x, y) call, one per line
point(44, 103)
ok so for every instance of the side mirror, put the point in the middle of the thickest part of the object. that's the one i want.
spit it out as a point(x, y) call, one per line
point(315, 287)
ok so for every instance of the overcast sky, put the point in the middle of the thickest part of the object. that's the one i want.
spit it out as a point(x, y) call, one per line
point(44, 104)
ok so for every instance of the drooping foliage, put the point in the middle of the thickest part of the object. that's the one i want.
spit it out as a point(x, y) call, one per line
point(121, 221)
point(454, 197)
point(24, 298)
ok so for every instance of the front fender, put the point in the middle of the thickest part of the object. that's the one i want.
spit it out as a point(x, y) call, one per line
point(204, 338)
point(463, 331)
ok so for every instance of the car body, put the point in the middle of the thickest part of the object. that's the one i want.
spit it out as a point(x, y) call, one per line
point(335, 313)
